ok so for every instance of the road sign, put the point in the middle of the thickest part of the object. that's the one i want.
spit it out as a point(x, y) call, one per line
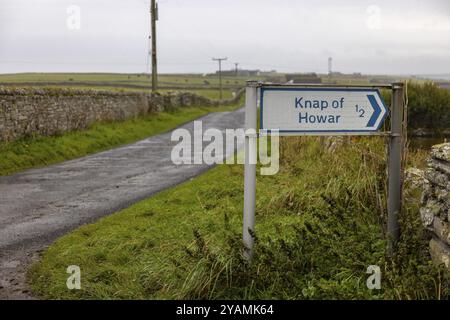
point(321, 111)
point(324, 110)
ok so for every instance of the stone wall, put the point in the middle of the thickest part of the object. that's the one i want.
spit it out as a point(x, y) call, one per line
point(435, 211)
point(31, 111)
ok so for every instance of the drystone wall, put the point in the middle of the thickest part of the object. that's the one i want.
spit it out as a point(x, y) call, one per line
point(435, 211)
point(28, 112)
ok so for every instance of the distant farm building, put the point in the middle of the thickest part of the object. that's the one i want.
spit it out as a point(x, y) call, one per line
point(240, 73)
point(303, 78)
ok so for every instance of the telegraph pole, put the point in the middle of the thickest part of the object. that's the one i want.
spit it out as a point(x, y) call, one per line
point(236, 64)
point(220, 73)
point(330, 66)
point(154, 17)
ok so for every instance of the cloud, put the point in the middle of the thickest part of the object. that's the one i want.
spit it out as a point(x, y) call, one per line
point(410, 37)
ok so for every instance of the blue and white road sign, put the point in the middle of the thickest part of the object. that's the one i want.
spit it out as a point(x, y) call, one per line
point(321, 111)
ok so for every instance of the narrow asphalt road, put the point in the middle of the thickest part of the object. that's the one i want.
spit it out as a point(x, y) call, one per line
point(39, 205)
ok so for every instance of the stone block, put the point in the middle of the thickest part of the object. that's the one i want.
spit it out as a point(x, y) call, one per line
point(441, 152)
point(442, 230)
point(441, 166)
point(440, 253)
point(436, 177)
point(427, 213)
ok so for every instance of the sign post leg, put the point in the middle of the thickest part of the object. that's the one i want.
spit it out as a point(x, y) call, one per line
point(250, 168)
point(395, 166)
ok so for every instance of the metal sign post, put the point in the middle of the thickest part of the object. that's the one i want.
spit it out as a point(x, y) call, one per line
point(250, 167)
point(395, 166)
point(322, 110)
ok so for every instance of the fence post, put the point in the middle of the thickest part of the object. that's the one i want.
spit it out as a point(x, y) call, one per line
point(395, 166)
point(250, 167)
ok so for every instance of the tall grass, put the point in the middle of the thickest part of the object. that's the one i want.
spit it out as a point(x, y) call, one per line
point(319, 226)
point(325, 255)
point(429, 107)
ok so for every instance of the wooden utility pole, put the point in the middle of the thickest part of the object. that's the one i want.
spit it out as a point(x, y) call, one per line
point(220, 73)
point(154, 17)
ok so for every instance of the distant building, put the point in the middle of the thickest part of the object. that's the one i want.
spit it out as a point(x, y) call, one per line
point(336, 74)
point(240, 73)
point(304, 78)
point(268, 73)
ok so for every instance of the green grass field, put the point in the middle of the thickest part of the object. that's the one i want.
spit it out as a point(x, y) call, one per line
point(212, 94)
point(118, 77)
point(209, 93)
point(320, 224)
point(178, 80)
point(206, 86)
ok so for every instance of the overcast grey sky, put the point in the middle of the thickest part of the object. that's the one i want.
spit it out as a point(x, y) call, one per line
point(378, 36)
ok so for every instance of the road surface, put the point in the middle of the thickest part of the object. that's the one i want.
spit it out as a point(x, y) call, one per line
point(39, 205)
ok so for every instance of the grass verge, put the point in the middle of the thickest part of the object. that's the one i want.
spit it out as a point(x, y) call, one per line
point(320, 224)
point(41, 151)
